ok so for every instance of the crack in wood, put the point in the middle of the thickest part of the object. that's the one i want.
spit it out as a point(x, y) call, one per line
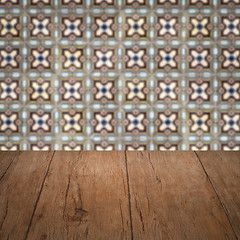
point(80, 197)
point(5, 215)
point(158, 179)
point(66, 195)
point(148, 203)
point(74, 212)
point(139, 213)
point(35, 206)
point(86, 232)
point(149, 159)
point(124, 188)
point(141, 217)
point(13, 158)
point(129, 197)
point(215, 190)
point(120, 206)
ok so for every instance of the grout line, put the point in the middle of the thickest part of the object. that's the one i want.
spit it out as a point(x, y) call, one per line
point(129, 197)
point(35, 206)
point(215, 190)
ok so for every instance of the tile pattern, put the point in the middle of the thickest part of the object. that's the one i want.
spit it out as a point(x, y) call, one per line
point(120, 74)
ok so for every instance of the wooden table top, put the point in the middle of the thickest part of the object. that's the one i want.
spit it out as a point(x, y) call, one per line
point(119, 195)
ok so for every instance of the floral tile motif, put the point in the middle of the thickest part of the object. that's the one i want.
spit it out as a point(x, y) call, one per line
point(120, 75)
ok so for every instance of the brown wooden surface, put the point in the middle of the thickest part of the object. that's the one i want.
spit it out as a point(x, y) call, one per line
point(223, 169)
point(19, 191)
point(6, 160)
point(171, 198)
point(119, 195)
point(85, 196)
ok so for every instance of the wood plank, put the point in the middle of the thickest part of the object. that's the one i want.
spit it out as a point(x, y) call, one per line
point(172, 198)
point(85, 197)
point(19, 191)
point(223, 169)
point(6, 159)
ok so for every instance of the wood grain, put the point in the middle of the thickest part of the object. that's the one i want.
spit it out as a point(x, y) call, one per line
point(19, 191)
point(223, 170)
point(172, 198)
point(84, 197)
point(6, 160)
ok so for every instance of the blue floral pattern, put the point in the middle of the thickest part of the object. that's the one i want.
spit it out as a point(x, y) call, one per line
point(120, 75)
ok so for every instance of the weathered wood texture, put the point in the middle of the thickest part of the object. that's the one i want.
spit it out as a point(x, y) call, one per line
point(85, 196)
point(19, 190)
point(6, 159)
point(119, 195)
point(223, 170)
point(172, 198)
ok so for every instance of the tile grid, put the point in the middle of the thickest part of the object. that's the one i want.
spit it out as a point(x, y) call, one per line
point(190, 116)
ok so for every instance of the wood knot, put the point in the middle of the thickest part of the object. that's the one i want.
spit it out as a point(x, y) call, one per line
point(44, 237)
point(77, 215)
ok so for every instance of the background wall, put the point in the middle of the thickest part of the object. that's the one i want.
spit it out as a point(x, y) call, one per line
point(126, 74)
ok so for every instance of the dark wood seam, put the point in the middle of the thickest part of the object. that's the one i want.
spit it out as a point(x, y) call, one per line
point(129, 196)
point(35, 206)
point(215, 190)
